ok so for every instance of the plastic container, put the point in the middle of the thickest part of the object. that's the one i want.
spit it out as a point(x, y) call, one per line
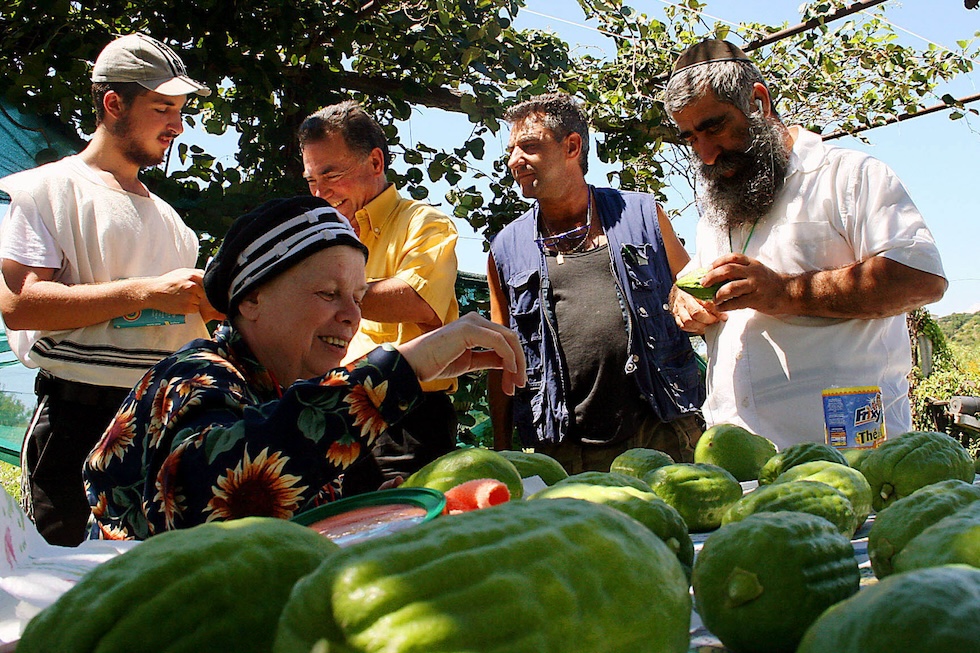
point(374, 514)
point(853, 417)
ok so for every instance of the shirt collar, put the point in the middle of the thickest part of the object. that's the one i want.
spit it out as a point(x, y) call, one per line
point(809, 151)
point(372, 218)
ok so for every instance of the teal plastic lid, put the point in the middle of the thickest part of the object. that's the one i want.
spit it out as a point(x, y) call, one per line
point(374, 514)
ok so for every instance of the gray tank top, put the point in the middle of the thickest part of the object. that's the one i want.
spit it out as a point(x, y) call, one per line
point(604, 405)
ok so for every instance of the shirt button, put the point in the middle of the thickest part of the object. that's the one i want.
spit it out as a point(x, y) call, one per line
point(377, 230)
point(666, 307)
point(642, 312)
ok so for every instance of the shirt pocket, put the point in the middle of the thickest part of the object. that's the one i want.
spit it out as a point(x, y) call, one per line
point(798, 247)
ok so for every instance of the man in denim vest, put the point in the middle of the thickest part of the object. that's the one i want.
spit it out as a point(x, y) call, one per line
point(585, 278)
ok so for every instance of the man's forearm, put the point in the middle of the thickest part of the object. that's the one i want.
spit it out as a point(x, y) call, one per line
point(393, 300)
point(877, 287)
point(53, 306)
point(31, 299)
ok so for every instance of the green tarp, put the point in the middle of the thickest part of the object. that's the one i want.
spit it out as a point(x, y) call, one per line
point(28, 140)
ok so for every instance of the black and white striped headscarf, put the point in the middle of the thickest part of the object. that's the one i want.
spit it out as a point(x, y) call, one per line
point(268, 241)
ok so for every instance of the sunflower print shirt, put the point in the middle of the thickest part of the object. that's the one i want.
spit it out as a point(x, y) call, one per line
point(207, 435)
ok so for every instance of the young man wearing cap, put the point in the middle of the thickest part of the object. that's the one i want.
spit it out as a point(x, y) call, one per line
point(411, 267)
point(262, 420)
point(584, 278)
point(820, 249)
point(99, 274)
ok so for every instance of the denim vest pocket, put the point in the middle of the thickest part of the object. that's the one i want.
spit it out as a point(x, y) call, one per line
point(524, 290)
point(642, 273)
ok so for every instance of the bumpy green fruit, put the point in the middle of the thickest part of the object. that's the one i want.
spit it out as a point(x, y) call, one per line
point(924, 611)
point(759, 583)
point(530, 464)
point(214, 587)
point(645, 507)
point(899, 467)
point(797, 454)
point(903, 520)
point(609, 479)
point(691, 284)
point(812, 497)
point(736, 449)
point(461, 465)
point(954, 539)
point(639, 462)
point(701, 493)
point(555, 576)
point(855, 456)
point(846, 479)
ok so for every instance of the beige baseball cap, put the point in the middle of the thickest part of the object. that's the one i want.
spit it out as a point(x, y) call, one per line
point(148, 62)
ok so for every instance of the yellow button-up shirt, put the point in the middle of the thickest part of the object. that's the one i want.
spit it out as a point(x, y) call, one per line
point(414, 242)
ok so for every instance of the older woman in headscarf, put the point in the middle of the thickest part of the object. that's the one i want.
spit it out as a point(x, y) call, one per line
point(261, 419)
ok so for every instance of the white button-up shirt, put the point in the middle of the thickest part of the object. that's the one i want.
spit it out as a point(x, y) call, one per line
point(766, 373)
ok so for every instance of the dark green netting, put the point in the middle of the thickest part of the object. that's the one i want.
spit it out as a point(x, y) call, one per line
point(27, 141)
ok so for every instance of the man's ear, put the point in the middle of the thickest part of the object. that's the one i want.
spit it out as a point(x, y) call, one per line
point(377, 158)
point(113, 104)
point(573, 145)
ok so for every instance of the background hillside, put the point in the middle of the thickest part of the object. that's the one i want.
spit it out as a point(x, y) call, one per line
point(962, 331)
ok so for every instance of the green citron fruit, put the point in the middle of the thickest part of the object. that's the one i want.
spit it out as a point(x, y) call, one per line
point(214, 587)
point(609, 479)
point(701, 493)
point(530, 464)
point(855, 455)
point(954, 539)
point(639, 462)
point(760, 582)
point(691, 284)
point(550, 576)
point(895, 527)
point(811, 497)
point(848, 480)
point(797, 454)
point(924, 611)
point(736, 449)
point(462, 465)
point(645, 507)
point(899, 467)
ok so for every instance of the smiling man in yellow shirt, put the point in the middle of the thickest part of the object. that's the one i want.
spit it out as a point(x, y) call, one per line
point(411, 266)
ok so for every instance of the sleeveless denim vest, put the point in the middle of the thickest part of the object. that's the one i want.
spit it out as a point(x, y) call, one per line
point(660, 358)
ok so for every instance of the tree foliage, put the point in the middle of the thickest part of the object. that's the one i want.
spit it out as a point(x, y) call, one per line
point(273, 63)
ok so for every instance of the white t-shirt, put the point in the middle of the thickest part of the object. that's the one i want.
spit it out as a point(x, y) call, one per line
point(766, 373)
point(65, 217)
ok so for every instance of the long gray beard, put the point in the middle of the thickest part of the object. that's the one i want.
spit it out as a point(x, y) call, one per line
point(746, 196)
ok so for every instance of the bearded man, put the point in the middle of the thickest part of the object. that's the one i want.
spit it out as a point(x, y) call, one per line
point(99, 276)
point(820, 251)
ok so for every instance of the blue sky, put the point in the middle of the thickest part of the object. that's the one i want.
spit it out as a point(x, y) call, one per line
point(934, 156)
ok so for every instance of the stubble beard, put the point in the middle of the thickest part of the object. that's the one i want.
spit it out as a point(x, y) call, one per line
point(759, 175)
point(131, 148)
